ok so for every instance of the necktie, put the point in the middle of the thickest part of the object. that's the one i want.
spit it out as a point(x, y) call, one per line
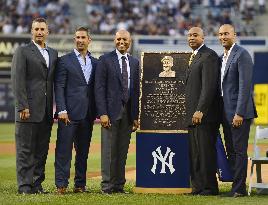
point(124, 79)
point(191, 59)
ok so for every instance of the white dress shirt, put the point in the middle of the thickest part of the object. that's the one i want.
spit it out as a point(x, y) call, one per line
point(119, 55)
point(44, 53)
point(196, 50)
point(223, 65)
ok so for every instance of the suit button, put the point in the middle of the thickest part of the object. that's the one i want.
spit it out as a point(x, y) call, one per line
point(45, 94)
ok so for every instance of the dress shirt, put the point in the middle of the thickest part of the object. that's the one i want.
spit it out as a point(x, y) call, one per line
point(223, 65)
point(119, 55)
point(196, 50)
point(85, 64)
point(44, 53)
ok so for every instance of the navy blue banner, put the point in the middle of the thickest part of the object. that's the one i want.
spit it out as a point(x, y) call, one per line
point(162, 160)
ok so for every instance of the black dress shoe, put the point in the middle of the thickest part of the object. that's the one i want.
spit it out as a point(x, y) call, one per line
point(194, 193)
point(25, 192)
point(235, 194)
point(39, 190)
point(107, 191)
point(208, 193)
point(120, 191)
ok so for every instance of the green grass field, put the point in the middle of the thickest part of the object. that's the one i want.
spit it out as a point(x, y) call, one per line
point(8, 188)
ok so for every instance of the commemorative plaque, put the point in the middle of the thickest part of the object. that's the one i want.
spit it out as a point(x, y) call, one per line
point(162, 143)
point(162, 86)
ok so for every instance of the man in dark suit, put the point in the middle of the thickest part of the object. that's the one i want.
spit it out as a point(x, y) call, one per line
point(117, 92)
point(32, 74)
point(202, 113)
point(75, 108)
point(238, 107)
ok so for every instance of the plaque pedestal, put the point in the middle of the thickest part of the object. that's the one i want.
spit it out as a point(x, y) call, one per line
point(162, 162)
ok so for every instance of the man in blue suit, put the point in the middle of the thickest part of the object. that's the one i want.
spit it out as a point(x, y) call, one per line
point(75, 108)
point(238, 106)
point(117, 93)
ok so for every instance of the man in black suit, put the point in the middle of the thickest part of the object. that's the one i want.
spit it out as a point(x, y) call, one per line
point(202, 113)
point(238, 106)
point(75, 104)
point(32, 74)
point(117, 93)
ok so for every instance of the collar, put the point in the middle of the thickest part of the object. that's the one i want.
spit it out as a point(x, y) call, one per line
point(119, 55)
point(229, 51)
point(39, 47)
point(79, 54)
point(196, 50)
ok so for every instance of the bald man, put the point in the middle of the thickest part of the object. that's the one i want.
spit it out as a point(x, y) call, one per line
point(202, 118)
point(238, 106)
point(117, 95)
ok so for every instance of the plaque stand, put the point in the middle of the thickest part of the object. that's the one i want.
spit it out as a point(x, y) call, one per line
point(162, 155)
point(172, 149)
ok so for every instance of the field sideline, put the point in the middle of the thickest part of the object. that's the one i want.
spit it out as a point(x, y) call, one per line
point(8, 189)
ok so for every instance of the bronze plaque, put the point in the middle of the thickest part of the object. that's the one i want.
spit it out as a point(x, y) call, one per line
point(162, 86)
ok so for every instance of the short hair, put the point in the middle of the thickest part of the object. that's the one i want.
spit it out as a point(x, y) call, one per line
point(83, 28)
point(167, 58)
point(39, 20)
point(229, 25)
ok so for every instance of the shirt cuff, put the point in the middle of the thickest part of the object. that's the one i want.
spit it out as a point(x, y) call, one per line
point(62, 112)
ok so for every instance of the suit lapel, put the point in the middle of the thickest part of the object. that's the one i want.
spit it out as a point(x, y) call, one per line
point(77, 66)
point(198, 55)
point(51, 67)
point(230, 59)
point(131, 66)
point(38, 55)
point(93, 64)
point(117, 66)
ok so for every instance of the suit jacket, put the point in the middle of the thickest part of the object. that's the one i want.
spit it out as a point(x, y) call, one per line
point(109, 89)
point(202, 86)
point(72, 93)
point(237, 85)
point(32, 82)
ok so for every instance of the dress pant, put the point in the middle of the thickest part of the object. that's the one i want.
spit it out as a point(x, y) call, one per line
point(78, 133)
point(236, 143)
point(114, 148)
point(32, 144)
point(203, 160)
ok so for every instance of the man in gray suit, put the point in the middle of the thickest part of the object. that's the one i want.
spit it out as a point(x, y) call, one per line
point(238, 107)
point(32, 74)
point(116, 94)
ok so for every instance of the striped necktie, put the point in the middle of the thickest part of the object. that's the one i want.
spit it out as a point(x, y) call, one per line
point(191, 59)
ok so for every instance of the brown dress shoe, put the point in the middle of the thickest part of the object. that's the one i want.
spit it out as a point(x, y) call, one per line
point(80, 190)
point(61, 190)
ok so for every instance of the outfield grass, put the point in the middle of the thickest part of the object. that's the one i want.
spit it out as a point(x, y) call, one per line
point(8, 187)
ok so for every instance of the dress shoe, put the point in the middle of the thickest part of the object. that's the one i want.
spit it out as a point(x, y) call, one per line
point(194, 193)
point(39, 190)
point(107, 191)
point(61, 190)
point(25, 189)
point(235, 194)
point(25, 192)
point(208, 193)
point(120, 191)
point(80, 190)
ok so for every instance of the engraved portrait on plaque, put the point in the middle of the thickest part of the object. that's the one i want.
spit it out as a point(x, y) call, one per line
point(162, 91)
point(167, 65)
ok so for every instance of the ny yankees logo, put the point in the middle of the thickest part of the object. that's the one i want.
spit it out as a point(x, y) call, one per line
point(157, 155)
